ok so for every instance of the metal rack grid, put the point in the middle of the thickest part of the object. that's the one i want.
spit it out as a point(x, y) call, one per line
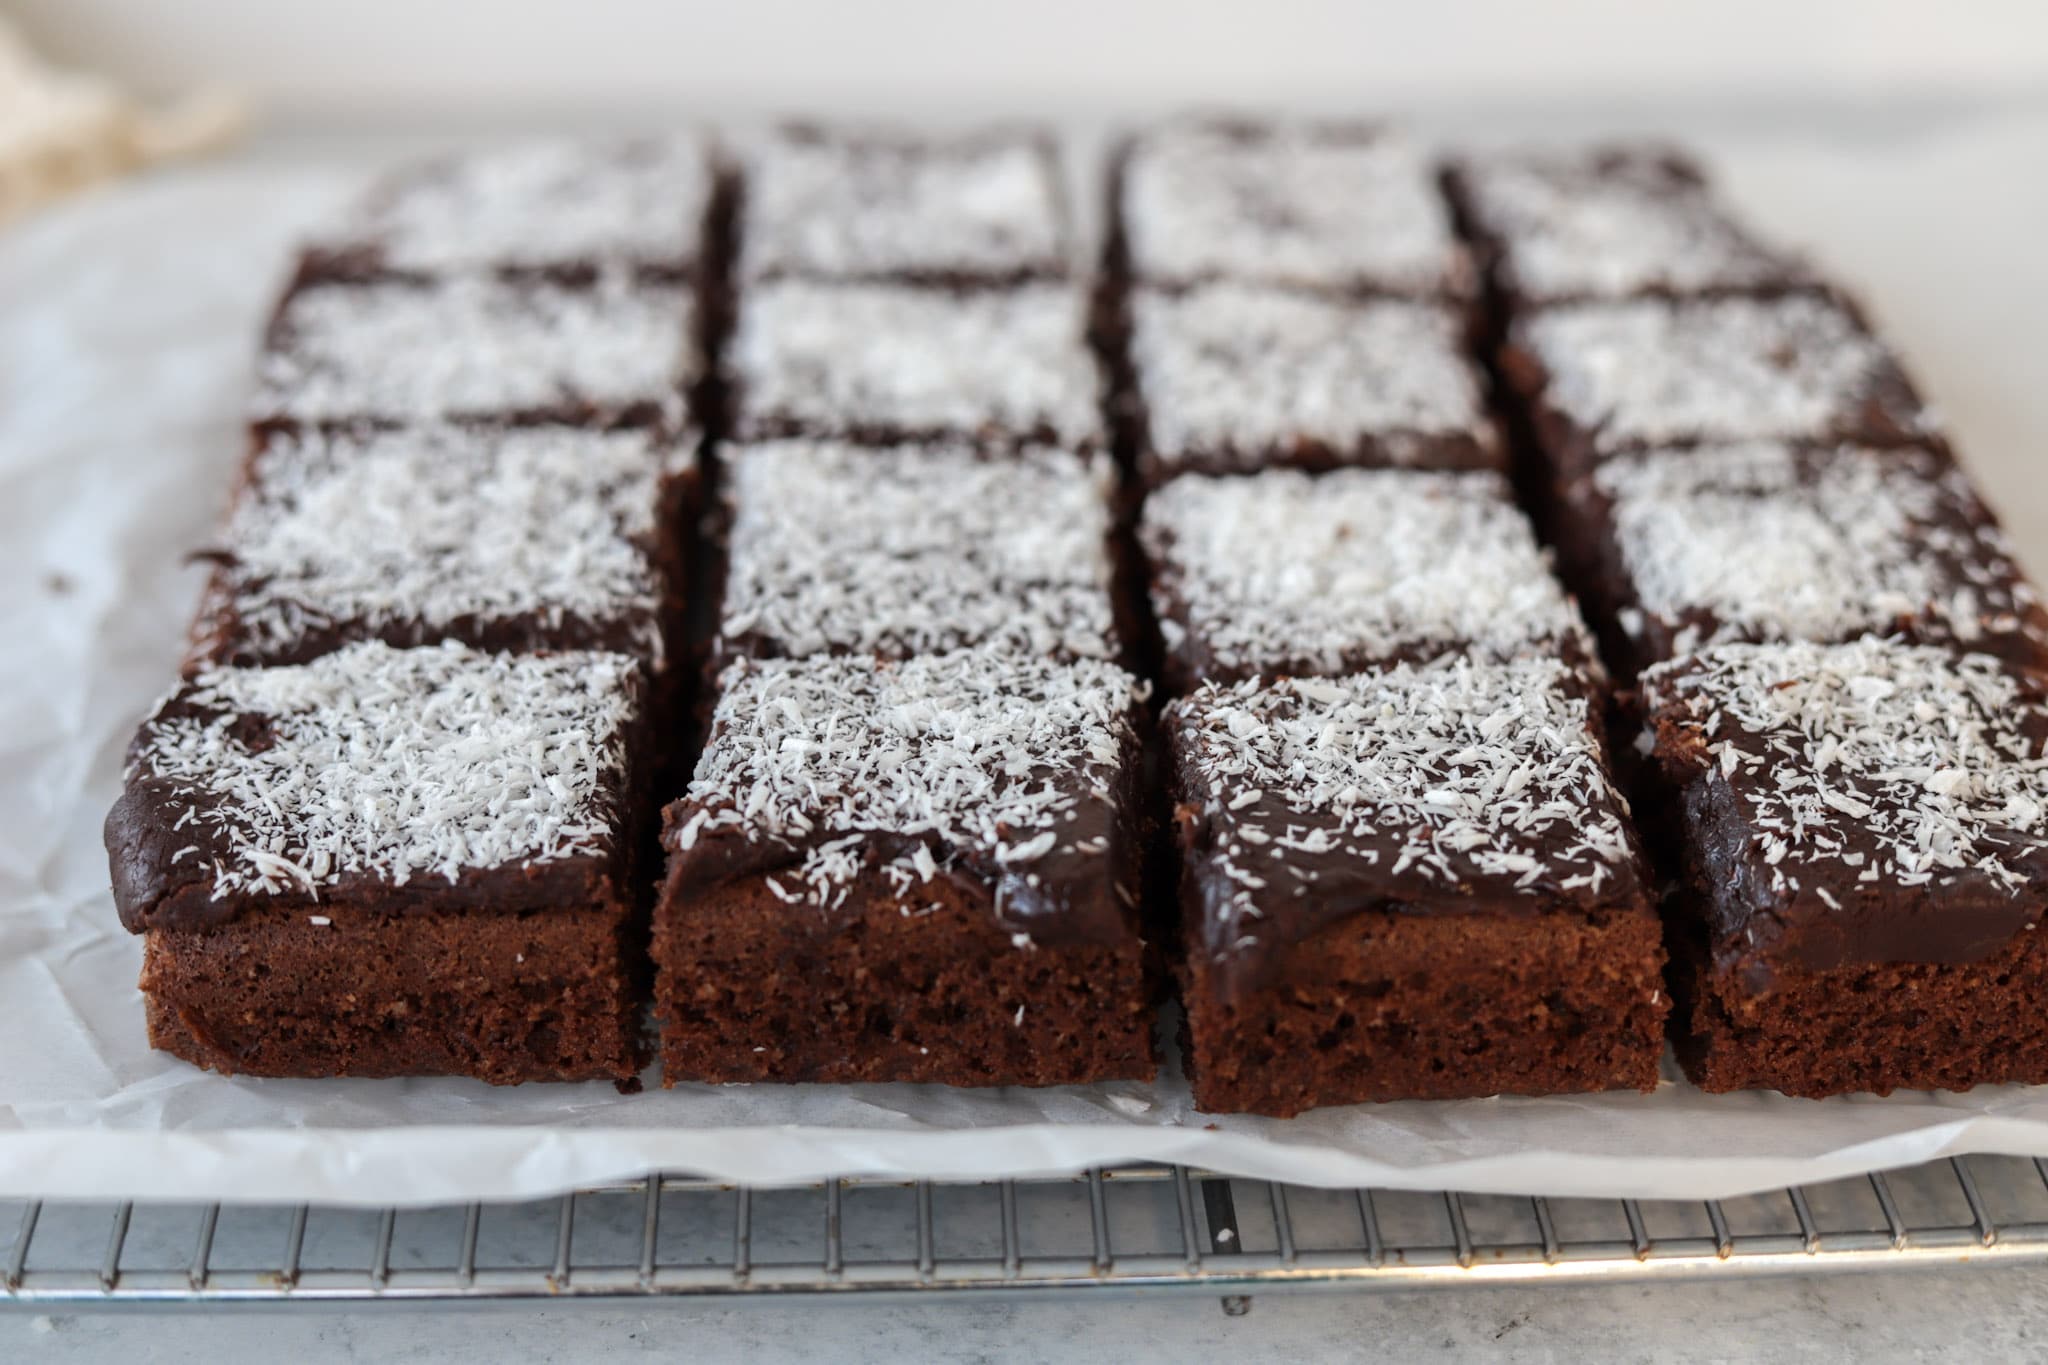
point(1142, 1228)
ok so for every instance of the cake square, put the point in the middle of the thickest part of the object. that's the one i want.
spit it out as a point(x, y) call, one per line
point(1351, 208)
point(1861, 859)
point(1413, 883)
point(1608, 377)
point(981, 208)
point(904, 550)
point(391, 862)
point(616, 353)
point(924, 870)
point(883, 364)
point(1766, 541)
point(558, 208)
point(522, 539)
point(1232, 378)
point(1610, 222)
point(1286, 574)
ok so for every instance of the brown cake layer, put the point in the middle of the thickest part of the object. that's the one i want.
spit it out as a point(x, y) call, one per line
point(346, 988)
point(756, 989)
point(1393, 1002)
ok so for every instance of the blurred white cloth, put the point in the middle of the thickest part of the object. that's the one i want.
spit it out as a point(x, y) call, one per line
point(63, 130)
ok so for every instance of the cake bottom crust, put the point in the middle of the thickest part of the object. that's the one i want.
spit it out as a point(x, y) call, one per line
point(1393, 1006)
point(1875, 1028)
point(547, 995)
point(888, 988)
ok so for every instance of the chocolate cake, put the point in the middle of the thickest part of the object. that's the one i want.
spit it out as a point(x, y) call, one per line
point(1861, 852)
point(566, 209)
point(1232, 378)
point(982, 209)
point(1413, 883)
point(524, 538)
point(1330, 207)
point(905, 550)
point(1288, 574)
point(883, 364)
point(914, 871)
point(1766, 541)
point(391, 862)
point(1610, 222)
point(1603, 378)
point(614, 353)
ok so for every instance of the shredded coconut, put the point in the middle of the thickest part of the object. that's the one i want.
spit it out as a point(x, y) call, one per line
point(539, 206)
point(475, 347)
point(1231, 371)
point(871, 206)
point(1652, 372)
point(1283, 572)
point(917, 550)
point(430, 526)
point(1289, 204)
point(854, 360)
point(1773, 543)
point(395, 764)
point(1004, 757)
point(1869, 761)
point(1442, 773)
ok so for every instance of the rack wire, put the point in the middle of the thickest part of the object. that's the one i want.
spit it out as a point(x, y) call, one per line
point(1122, 1229)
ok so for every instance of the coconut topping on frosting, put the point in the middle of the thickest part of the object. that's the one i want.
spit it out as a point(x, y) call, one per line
point(875, 206)
point(474, 347)
point(1762, 541)
point(391, 764)
point(1238, 375)
point(1289, 204)
point(1005, 761)
point(1653, 372)
point(428, 526)
point(544, 205)
point(1442, 774)
point(877, 361)
point(1613, 224)
point(1869, 762)
point(1283, 572)
point(917, 550)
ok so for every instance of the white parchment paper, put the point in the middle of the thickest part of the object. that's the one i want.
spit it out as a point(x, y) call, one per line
point(126, 326)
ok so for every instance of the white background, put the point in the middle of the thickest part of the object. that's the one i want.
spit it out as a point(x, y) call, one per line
point(408, 58)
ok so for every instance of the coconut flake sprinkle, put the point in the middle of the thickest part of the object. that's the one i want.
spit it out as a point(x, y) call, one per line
point(1869, 761)
point(917, 550)
point(1008, 759)
point(1439, 774)
point(1284, 572)
point(1232, 371)
point(394, 764)
point(475, 347)
point(856, 360)
point(429, 526)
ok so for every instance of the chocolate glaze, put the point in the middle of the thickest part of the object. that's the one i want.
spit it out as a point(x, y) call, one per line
point(1063, 897)
point(154, 888)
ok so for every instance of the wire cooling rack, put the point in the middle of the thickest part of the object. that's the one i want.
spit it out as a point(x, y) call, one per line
point(1140, 1228)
